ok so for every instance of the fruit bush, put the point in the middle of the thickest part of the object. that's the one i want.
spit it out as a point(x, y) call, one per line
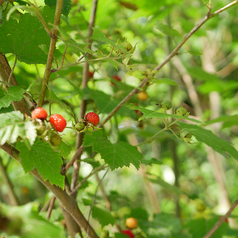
point(118, 118)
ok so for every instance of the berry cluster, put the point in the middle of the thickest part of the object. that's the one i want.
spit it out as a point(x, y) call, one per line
point(89, 122)
point(57, 123)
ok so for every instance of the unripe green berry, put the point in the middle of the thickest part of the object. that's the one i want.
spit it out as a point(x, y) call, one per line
point(181, 111)
point(40, 130)
point(186, 136)
point(166, 105)
point(79, 126)
point(55, 140)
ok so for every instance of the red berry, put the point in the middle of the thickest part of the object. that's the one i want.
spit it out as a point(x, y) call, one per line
point(90, 74)
point(92, 117)
point(39, 113)
point(58, 122)
point(117, 78)
point(128, 233)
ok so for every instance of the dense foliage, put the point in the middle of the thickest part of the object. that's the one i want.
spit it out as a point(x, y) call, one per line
point(157, 81)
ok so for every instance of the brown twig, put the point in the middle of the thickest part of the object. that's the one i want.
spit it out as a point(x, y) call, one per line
point(51, 206)
point(222, 219)
point(79, 142)
point(50, 58)
point(12, 196)
point(5, 73)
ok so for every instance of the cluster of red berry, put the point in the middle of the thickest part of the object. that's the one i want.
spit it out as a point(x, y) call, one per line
point(58, 123)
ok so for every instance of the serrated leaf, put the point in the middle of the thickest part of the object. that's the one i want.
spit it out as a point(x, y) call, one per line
point(23, 38)
point(66, 5)
point(148, 114)
point(115, 155)
point(43, 158)
point(166, 30)
point(14, 93)
point(103, 216)
point(207, 137)
point(12, 126)
point(167, 81)
point(64, 149)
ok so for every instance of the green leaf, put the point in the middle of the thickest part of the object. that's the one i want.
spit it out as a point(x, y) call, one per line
point(12, 126)
point(64, 149)
point(167, 81)
point(14, 93)
point(115, 155)
point(103, 216)
point(228, 120)
point(44, 159)
point(23, 38)
point(148, 114)
point(66, 5)
point(166, 30)
point(207, 137)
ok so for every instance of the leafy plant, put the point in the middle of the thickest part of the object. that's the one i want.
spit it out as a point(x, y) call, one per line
point(139, 97)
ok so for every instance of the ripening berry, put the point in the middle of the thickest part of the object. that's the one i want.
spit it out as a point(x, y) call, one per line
point(39, 113)
point(142, 96)
point(117, 78)
point(92, 117)
point(128, 233)
point(58, 122)
point(90, 74)
point(131, 222)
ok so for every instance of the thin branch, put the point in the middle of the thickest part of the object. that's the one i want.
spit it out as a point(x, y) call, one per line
point(77, 154)
point(50, 58)
point(15, 62)
point(65, 49)
point(87, 177)
point(103, 192)
point(51, 206)
point(12, 196)
point(79, 142)
point(5, 72)
point(222, 219)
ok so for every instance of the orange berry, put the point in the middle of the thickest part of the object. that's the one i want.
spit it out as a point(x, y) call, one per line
point(142, 96)
point(131, 222)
